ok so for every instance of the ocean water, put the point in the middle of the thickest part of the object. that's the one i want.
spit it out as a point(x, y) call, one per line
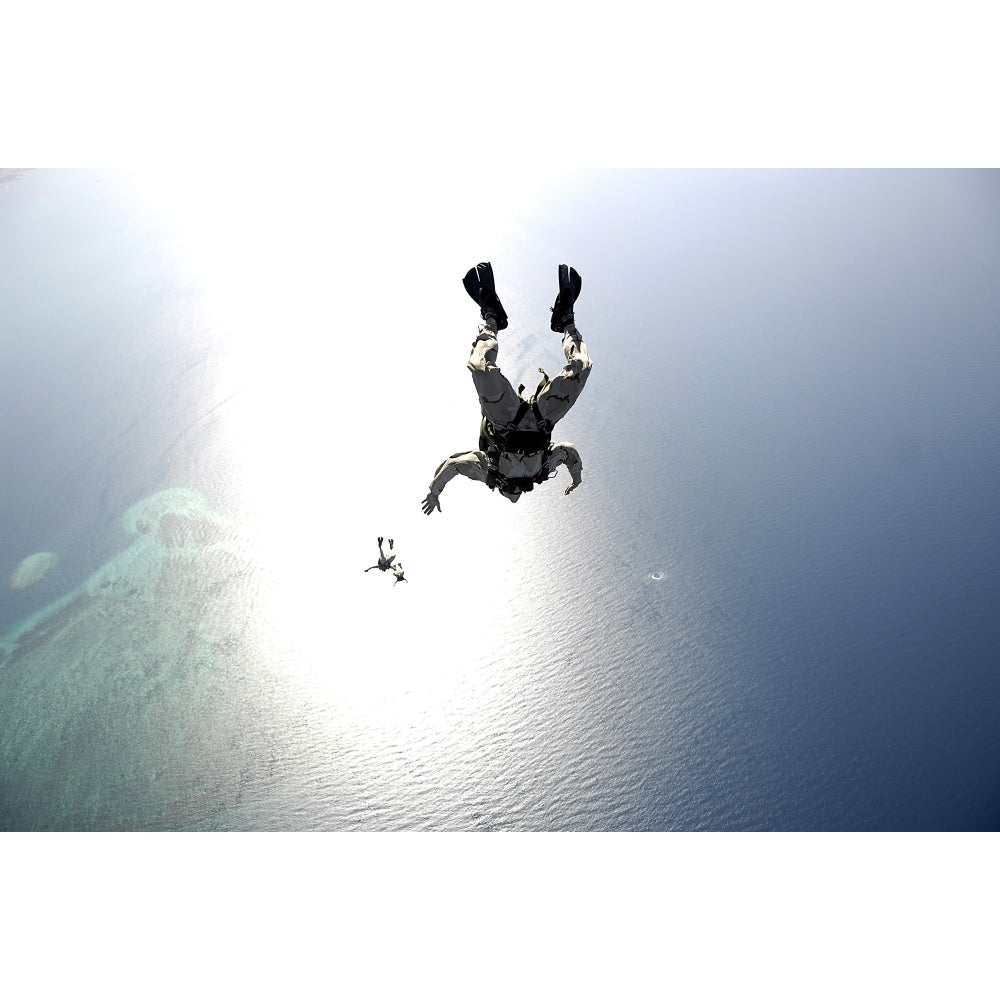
point(772, 605)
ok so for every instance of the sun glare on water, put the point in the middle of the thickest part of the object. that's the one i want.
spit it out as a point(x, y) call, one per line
point(320, 368)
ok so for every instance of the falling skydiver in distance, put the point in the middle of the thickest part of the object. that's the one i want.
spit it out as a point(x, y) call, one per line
point(384, 562)
point(516, 452)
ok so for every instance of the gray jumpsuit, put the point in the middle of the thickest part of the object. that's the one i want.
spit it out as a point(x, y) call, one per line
point(500, 403)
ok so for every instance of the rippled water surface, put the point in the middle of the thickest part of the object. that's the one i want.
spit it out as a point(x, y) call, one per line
point(772, 604)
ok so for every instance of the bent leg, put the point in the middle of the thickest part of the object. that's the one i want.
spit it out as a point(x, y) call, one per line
point(555, 400)
point(498, 399)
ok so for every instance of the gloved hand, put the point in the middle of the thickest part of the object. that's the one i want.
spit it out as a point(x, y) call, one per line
point(431, 502)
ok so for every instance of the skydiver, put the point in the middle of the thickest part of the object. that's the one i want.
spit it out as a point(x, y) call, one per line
point(384, 563)
point(515, 441)
point(398, 573)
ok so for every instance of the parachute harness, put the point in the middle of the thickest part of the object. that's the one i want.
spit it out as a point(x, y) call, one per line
point(514, 440)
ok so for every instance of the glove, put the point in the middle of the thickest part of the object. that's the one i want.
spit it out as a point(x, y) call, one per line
point(431, 502)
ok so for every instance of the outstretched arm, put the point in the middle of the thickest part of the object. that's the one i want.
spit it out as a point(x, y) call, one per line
point(464, 463)
point(565, 454)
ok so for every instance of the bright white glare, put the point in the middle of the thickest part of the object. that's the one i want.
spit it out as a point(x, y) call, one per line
point(339, 404)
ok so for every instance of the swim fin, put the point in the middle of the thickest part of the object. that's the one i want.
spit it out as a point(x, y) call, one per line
point(570, 284)
point(479, 284)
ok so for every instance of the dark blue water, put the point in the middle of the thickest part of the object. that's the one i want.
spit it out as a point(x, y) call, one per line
point(772, 605)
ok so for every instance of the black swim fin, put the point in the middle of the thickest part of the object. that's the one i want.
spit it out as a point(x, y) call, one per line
point(479, 284)
point(570, 284)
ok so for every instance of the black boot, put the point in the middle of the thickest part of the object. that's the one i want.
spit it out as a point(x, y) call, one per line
point(570, 284)
point(479, 284)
